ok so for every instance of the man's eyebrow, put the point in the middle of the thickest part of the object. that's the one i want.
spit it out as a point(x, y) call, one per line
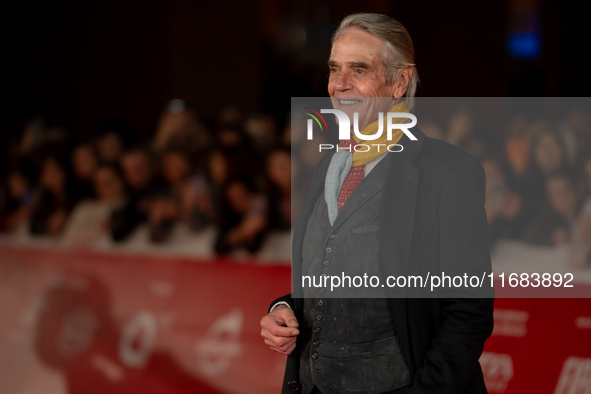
point(332, 63)
point(358, 64)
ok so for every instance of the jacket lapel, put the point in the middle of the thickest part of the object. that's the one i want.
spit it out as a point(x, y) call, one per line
point(302, 222)
point(397, 223)
point(398, 206)
point(360, 195)
point(395, 234)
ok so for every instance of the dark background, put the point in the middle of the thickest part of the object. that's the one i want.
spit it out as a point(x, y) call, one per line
point(77, 62)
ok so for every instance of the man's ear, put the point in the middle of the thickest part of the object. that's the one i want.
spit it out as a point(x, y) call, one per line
point(402, 81)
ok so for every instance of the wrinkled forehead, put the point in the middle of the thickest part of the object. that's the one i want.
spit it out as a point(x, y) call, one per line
point(356, 45)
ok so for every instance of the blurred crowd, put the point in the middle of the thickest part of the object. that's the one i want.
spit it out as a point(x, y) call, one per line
point(233, 175)
point(538, 177)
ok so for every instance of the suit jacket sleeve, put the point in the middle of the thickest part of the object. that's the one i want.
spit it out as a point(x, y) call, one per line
point(286, 298)
point(465, 323)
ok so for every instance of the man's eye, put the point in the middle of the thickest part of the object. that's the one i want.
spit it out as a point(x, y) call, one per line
point(359, 70)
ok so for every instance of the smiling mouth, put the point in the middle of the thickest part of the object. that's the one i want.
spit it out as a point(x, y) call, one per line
point(349, 102)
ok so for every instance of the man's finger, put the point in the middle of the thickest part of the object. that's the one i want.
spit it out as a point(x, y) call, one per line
point(277, 341)
point(287, 316)
point(282, 343)
point(273, 324)
point(281, 346)
point(281, 331)
point(279, 350)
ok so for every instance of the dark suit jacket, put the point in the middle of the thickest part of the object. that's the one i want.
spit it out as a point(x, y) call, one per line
point(433, 214)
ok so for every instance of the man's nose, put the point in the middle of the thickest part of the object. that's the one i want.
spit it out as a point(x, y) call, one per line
point(343, 82)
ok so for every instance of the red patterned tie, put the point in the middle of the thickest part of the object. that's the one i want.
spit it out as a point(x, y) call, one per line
point(354, 177)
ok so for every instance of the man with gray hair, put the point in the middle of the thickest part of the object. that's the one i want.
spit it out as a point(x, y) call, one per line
point(422, 206)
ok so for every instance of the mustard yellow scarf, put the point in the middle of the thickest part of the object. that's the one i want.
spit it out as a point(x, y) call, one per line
point(361, 158)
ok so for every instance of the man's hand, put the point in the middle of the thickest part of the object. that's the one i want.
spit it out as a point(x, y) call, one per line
point(279, 328)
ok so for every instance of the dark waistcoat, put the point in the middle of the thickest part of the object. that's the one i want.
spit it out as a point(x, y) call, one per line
point(349, 345)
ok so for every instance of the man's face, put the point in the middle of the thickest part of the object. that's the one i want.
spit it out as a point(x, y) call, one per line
point(357, 74)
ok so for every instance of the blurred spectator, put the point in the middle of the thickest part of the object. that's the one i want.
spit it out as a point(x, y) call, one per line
point(114, 135)
point(233, 137)
point(18, 200)
point(586, 176)
point(54, 201)
point(229, 115)
point(191, 189)
point(219, 167)
point(503, 205)
point(138, 174)
point(548, 153)
point(555, 225)
point(518, 144)
point(243, 217)
point(459, 128)
point(84, 163)
point(279, 173)
point(230, 161)
point(576, 132)
point(305, 158)
point(262, 131)
point(285, 138)
point(110, 147)
point(164, 210)
point(431, 129)
point(547, 157)
point(480, 142)
point(563, 198)
point(581, 250)
point(89, 220)
point(178, 126)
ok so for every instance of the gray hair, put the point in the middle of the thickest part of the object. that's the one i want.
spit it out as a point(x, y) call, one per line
point(399, 51)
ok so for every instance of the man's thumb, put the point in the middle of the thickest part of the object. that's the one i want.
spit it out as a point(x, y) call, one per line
point(289, 318)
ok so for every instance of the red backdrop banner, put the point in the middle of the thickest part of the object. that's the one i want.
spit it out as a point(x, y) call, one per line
point(95, 322)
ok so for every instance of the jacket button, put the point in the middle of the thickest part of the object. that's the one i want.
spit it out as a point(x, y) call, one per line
point(293, 385)
point(317, 330)
point(326, 263)
point(316, 342)
point(320, 303)
point(319, 317)
point(328, 249)
point(332, 236)
point(314, 355)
